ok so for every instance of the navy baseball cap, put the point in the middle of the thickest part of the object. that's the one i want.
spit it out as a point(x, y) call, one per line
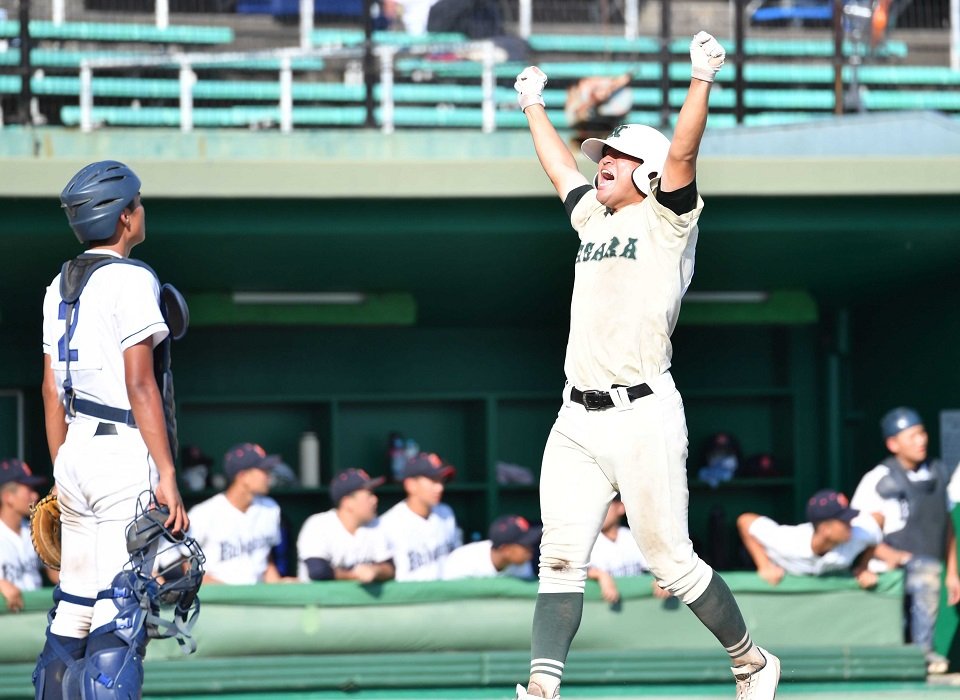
point(429, 465)
point(830, 505)
point(247, 455)
point(345, 483)
point(17, 471)
point(514, 529)
point(898, 420)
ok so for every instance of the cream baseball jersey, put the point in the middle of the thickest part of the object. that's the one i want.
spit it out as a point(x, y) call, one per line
point(18, 561)
point(473, 561)
point(418, 545)
point(620, 556)
point(323, 536)
point(789, 546)
point(119, 307)
point(631, 271)
point(236, 543)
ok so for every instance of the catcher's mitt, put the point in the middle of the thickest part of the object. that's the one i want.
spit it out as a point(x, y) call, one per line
point(45, 530)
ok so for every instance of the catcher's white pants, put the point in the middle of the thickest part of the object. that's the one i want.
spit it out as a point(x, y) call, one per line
point(638, 448)
point(99, 478)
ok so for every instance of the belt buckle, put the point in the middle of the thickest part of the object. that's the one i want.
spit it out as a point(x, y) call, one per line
point(593, 399)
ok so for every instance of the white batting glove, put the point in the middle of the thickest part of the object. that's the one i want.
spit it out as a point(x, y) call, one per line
point(706, 56)
point(529, 87)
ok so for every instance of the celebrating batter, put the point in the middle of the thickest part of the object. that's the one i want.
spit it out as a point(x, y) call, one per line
point(621, 427)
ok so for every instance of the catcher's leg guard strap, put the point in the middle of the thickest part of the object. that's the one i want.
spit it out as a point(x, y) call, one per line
point(112, 667)
point(57, 655)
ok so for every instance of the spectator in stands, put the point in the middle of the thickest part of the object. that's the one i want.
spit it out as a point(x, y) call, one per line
point(596, 105)
point(616, 554)
point(477, 19)
point(910, 491)
point(239, 528)
point(343, 543)
point(19, 565)
point(835, 538)
point(408, 15)
point(509, 550)
point(420, 530)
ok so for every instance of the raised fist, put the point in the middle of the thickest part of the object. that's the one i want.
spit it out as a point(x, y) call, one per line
point(706, 56)
point(529, 87)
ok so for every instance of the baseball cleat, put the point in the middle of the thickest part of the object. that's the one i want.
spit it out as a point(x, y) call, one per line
point(522, 694)
point(758, 684)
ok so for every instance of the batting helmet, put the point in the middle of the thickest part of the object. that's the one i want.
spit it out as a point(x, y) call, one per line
point(899, 419)
point(639, 141)
point(95, 197)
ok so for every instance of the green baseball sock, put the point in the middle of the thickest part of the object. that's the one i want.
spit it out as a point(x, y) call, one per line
point(556, 619)
point(717, 609)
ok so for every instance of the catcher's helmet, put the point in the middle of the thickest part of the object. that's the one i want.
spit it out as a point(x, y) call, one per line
point(95, 197)
point(899, 419)
point(639, 141)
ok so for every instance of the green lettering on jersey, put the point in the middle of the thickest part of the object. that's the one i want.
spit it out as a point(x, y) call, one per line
point(598, 254)
point(579, 251)
point(612, 248)
point(631, 250)
point(587, 250)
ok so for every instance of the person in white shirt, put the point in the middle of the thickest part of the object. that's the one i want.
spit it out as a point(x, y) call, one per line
point(239, 528)
point(343, 543)
point(508, 552)
point(420, 530)
point(19, 565)
point(835, 538)
point(616, 554)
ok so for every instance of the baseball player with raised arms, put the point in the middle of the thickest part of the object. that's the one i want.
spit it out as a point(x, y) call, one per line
point(420, 530)
point(19, 564)
point(621, 427)
point(239, 528)
point(107, 432)
point(344, 543)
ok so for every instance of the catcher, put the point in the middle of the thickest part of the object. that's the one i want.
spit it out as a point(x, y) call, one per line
point(108, 409)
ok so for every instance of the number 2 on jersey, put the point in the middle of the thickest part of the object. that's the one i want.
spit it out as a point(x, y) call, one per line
point(64, 343)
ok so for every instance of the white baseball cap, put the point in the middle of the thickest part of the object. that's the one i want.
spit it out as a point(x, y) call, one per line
point(637, 140)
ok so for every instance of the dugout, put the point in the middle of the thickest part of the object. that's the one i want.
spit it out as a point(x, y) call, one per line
point(848, 228)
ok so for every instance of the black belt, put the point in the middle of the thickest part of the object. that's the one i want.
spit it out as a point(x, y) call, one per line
point(106, 429)
point(594, 400)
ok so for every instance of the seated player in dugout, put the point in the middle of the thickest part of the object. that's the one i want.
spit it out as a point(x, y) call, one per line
point(19, 565)
point(239, 528)
point(420, 530)
point(616, 554)
point(835, 538)
point(511, 545)
point(343, 543)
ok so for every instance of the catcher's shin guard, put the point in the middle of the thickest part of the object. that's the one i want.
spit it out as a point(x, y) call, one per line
point(112, 667)
point(58, 654)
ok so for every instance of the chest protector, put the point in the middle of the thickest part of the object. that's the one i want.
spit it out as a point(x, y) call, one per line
point(924, 506)
point(74, 276)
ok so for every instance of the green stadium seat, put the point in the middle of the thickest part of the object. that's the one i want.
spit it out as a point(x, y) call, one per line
point(53, 58)
point(120, 31)
point(355, 37)
point(237, 116)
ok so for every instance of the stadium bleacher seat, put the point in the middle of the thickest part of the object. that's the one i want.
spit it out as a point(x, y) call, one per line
point(120, 31)
point(794, 11)
point(54, 58)
point(291, 8)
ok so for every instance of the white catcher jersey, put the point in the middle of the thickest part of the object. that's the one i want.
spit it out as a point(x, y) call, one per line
point(620, 556)
point(631, 271)
point(789, 546)
point(418, 545)
point(323, 536)
point(18, 560)
point(118, 308)
point(473, 561)
point(237, 544)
